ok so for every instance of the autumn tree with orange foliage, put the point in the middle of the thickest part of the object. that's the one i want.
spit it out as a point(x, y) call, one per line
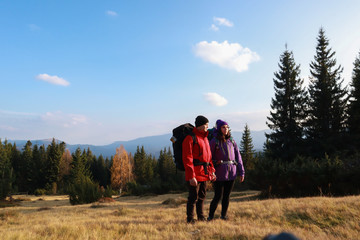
point(121, 169)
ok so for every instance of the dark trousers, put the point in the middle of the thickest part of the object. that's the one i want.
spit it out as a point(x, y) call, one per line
point(196, 196)
point(222, 190)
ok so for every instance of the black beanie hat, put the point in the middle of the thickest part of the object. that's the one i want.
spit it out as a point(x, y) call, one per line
point(200, 120)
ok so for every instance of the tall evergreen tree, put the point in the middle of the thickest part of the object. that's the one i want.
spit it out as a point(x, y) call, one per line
point(15, 159)
point(166, 165)
point(6, 170)
point(140, 165)
point(327, 104)
point(27, 169)
point(354, 106)
point(54, 154)
point(38, 164)
point(246, 147)
point(78, 166)
point(288, 110)
point(99, 171)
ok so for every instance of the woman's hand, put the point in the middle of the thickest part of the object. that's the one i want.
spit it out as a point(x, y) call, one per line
point(242, 178)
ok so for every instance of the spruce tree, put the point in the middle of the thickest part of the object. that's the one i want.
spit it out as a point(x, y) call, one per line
point(354, 106)
point(27, 169)
point(78, 166)
point(36, 158)
point(99, 171)
point(52, 170)
point(246, 147)
point(140, 165)
point(288, 111)
point(6, 170)
point(327, 104)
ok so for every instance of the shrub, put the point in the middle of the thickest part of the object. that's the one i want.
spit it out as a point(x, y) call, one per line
point(39, 192)
point(84, 191)
point(108, 192)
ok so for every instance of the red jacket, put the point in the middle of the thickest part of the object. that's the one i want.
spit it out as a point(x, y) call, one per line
point(200, 151)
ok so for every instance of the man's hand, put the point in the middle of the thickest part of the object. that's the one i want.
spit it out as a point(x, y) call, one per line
point(193, 182)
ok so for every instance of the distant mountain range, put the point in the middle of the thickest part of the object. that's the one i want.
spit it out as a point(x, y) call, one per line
point(152, 144)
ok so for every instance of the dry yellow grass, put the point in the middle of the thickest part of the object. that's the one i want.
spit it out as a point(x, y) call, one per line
point(52, 217)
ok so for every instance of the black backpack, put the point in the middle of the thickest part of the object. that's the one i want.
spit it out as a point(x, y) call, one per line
point(179, 134)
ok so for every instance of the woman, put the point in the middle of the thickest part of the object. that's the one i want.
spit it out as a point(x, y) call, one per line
point(228, 165)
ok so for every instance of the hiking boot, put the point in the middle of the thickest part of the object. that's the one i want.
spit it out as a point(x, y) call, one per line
point(201, 219)
point(190, 221)
point(225, 218)
point(210, 218)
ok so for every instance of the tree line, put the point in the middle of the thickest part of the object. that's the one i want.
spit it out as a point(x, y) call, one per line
point(53, 169)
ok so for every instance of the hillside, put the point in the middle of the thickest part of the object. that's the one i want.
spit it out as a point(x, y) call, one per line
point(152, 144)
point(148, 217)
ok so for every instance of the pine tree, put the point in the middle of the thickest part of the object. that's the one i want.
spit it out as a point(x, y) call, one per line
point(140, 165)
point(246, 147)
point(6, 170)
point(166, 166)
point(327, 104)
point(288, 111)
point(16, 165)
point(150, 165)
point(78, 166)
point(54, 155)
point(42, 170)
point(354, 106)
point(27, 168)
point(38, 164)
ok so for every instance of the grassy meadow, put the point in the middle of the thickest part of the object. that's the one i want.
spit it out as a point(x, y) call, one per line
point(163, 217)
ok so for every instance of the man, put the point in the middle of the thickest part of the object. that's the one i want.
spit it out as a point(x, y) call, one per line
point(198, 168)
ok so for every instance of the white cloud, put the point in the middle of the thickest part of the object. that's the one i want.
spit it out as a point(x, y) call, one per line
point(215, 99)
point(53, 79)
point(214, 28)
point(111, 13)
point(227, 55)
point(223, 22)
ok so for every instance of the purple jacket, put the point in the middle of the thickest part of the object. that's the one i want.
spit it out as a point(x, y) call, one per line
point(222, 154)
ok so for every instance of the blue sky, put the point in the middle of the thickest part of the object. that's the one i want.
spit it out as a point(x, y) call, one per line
point(95, 72)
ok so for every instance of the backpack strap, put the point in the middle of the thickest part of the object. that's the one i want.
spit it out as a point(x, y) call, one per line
point(204, 164)
point(195, 142)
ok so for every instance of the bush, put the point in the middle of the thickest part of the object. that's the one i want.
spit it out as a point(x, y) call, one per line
point(39, 192)
point(108, 192)
point(304, 176)
point(135, 189)
point(84, 191)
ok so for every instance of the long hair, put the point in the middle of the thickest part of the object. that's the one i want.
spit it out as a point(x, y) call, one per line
point(221, 137)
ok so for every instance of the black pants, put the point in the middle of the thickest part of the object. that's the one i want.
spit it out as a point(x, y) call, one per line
point(222, 190)
point(196, 196)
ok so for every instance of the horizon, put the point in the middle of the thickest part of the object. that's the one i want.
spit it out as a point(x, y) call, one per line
point(96, 72)
point(138, 138)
